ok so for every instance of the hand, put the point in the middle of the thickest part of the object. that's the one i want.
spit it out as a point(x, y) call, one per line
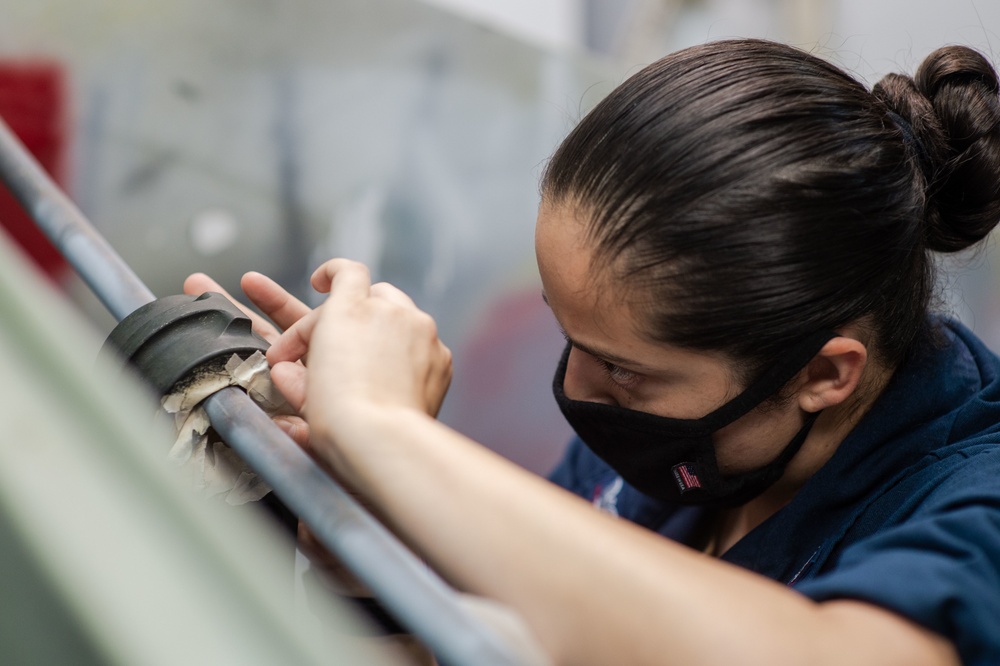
point(283, 309)
point(367, 344)
point(272, 299)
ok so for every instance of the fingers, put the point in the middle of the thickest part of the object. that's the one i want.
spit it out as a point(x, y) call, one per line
point(197, 284)
point(347, 281)
point(392, 294)
point(354, 278)
point(273, 300)
point(372, 339)
point(308, 542)
point(295, 427)
point(348, 278)
point(290, 379)
point(439, 388)
point(293, 344)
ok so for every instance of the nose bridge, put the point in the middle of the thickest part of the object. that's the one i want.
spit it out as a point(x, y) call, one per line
point(585, 379)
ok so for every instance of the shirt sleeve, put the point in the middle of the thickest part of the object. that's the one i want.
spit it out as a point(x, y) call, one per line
point(938, 565)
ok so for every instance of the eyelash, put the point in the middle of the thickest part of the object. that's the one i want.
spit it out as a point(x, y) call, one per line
point(617, 375)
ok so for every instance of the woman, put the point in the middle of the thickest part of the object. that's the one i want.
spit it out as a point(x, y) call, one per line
point(736, 243)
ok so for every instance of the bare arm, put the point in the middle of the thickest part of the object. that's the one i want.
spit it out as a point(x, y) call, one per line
point(595, 590)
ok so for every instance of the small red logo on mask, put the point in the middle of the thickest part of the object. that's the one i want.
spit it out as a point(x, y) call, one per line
point(686, 477)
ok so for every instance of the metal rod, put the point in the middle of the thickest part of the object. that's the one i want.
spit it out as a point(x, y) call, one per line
point(104, 271)
point(418, 598)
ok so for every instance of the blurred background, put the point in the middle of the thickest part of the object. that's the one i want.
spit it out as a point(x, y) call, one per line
point(262, 135)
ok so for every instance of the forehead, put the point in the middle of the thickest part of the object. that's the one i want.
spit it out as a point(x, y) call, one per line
point(590, 305)
point(595, 307)
point(571, 279)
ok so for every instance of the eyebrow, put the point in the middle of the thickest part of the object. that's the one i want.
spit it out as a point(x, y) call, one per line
point(597, 353)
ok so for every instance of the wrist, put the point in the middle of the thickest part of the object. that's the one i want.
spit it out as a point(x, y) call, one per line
point(361, 437)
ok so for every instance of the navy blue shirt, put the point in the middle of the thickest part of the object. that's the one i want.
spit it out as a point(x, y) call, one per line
point(905, 515)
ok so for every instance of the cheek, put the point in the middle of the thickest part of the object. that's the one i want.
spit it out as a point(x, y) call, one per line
point(755, 440)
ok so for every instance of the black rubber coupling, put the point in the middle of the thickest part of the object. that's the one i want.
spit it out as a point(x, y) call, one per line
point(164, 341)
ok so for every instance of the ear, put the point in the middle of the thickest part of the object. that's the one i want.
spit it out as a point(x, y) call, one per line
point(833, 375)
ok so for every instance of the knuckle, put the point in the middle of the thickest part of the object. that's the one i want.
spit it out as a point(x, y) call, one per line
point(427, 324)
point(357, 266)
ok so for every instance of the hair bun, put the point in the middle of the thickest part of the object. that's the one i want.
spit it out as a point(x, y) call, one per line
point(962, 140)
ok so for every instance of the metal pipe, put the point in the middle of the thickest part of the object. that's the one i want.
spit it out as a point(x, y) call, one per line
point(104, 271)
point(418, 598)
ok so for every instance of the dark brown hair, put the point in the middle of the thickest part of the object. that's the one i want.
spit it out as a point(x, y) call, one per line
point(749, 193)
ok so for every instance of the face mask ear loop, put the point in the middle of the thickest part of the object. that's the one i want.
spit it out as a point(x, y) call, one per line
point(770, 381)
point(752, 484)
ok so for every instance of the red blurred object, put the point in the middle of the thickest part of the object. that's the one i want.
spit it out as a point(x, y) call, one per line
point(33, 104)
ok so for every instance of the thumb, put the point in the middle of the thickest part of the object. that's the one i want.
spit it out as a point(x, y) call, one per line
point(290, 379)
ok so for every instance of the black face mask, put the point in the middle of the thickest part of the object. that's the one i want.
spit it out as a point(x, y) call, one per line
point(674, 459)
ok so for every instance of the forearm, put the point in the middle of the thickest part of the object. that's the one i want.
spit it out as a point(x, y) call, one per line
point(594, 589)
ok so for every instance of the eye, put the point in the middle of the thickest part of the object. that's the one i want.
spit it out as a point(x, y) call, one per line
point(618, 375)
point(615, 374)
